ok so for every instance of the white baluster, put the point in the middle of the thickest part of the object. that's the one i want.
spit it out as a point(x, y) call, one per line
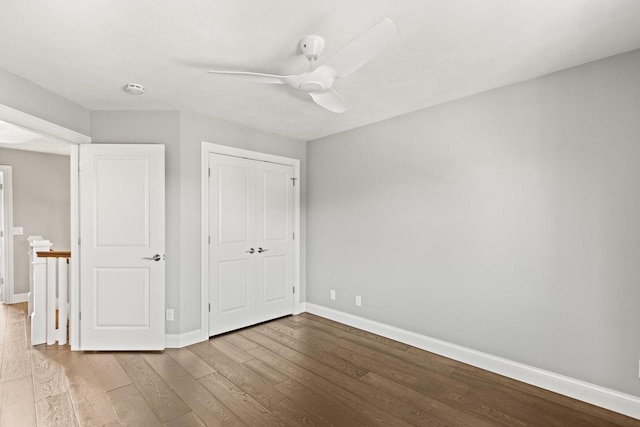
point(51, 301)
point(63, 277)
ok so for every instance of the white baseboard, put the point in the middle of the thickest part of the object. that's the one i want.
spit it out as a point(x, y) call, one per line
point(300, 308)
point(16, 298)
point(610, 399)
point(183, 340)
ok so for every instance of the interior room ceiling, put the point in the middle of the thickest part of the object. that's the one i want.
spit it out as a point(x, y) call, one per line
point(86, 51)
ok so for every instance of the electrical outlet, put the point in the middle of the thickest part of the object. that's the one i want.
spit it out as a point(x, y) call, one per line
point(332, 294)
point(170, 317)
point(358, 301)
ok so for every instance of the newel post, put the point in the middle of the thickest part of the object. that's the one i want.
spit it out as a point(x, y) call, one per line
point(32, 257)
point(38, 292)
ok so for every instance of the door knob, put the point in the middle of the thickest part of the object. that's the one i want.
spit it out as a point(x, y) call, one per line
point(156, 257)
point(260, 250)
point(251, 251)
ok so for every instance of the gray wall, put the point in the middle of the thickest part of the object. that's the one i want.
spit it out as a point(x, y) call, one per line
point(506, 222)
point(21, 94)
point(194, 130)
point(182, 135)
point(41, 205)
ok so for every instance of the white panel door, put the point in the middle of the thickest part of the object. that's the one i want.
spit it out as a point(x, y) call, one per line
point(122, 235)
point(232, 212)
point(251, 242)
point(274, 230)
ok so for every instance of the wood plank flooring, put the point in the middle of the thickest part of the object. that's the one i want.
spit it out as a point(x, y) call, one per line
point(296, 371)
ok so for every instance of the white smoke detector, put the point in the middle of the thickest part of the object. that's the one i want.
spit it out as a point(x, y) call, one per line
point(134, 89)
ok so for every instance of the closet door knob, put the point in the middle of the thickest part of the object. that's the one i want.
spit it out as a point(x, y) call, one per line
point(260, 250)
point(251, 251)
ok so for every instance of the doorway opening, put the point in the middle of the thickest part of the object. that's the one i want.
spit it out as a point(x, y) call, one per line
point(27, 145)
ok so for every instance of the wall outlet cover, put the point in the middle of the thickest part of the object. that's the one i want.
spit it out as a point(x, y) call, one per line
point(332, 294)
point(358, 301)
point(170, 315)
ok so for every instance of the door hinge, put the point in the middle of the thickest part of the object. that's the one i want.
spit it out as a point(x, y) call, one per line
point(1, 187)
point(294, 181)
point(78, 240)
point(209, 307)
point(294, 236)
point(79, 166)
point(294, 289)
point(209, 239)
point(80, 315)
point(1, 233)
point(1, 280)
point(209, 172)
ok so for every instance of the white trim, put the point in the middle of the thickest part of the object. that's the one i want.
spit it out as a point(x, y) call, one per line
point(206, 149)
point(610, 399)
point(42, 127)
point(74, 261)
point(204, 242)
point(7, 193)
point(183, 340)
point(23, 297)
point(302, 307)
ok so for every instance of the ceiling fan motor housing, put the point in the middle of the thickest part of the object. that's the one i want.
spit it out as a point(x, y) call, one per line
point(311, 86)
point(312, 47)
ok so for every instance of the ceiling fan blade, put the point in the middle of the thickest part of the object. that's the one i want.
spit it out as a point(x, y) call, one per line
point(254, 77)
point(359, 51)
point(330, 100)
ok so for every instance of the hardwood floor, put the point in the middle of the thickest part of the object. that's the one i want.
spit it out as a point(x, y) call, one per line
point(296, 371)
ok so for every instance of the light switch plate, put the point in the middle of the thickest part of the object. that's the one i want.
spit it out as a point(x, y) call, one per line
point(17, 231)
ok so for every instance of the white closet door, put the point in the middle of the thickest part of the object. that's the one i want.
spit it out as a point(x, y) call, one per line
point(251, 242)
point(232, 213)
point(274, 232)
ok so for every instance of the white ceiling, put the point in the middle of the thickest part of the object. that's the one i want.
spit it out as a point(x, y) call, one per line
point(87, 51)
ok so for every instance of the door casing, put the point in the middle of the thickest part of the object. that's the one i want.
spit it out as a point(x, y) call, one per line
point(6, 206)
point(206, 149)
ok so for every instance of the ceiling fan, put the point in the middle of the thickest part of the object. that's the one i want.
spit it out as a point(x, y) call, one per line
point(318, 81)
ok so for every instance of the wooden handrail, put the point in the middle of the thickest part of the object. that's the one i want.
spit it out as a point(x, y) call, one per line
point(54, 254)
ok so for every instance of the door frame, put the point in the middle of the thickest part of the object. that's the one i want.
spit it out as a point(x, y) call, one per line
point(63, 134)
point(7, 228)
point(211, 148)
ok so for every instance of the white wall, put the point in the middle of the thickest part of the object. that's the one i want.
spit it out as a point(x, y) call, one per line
point(41, 205)
point(195, 129)
point(507, 222)
point(21, 94)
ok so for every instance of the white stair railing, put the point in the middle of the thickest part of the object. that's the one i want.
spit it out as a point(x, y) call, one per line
point(50, 315)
